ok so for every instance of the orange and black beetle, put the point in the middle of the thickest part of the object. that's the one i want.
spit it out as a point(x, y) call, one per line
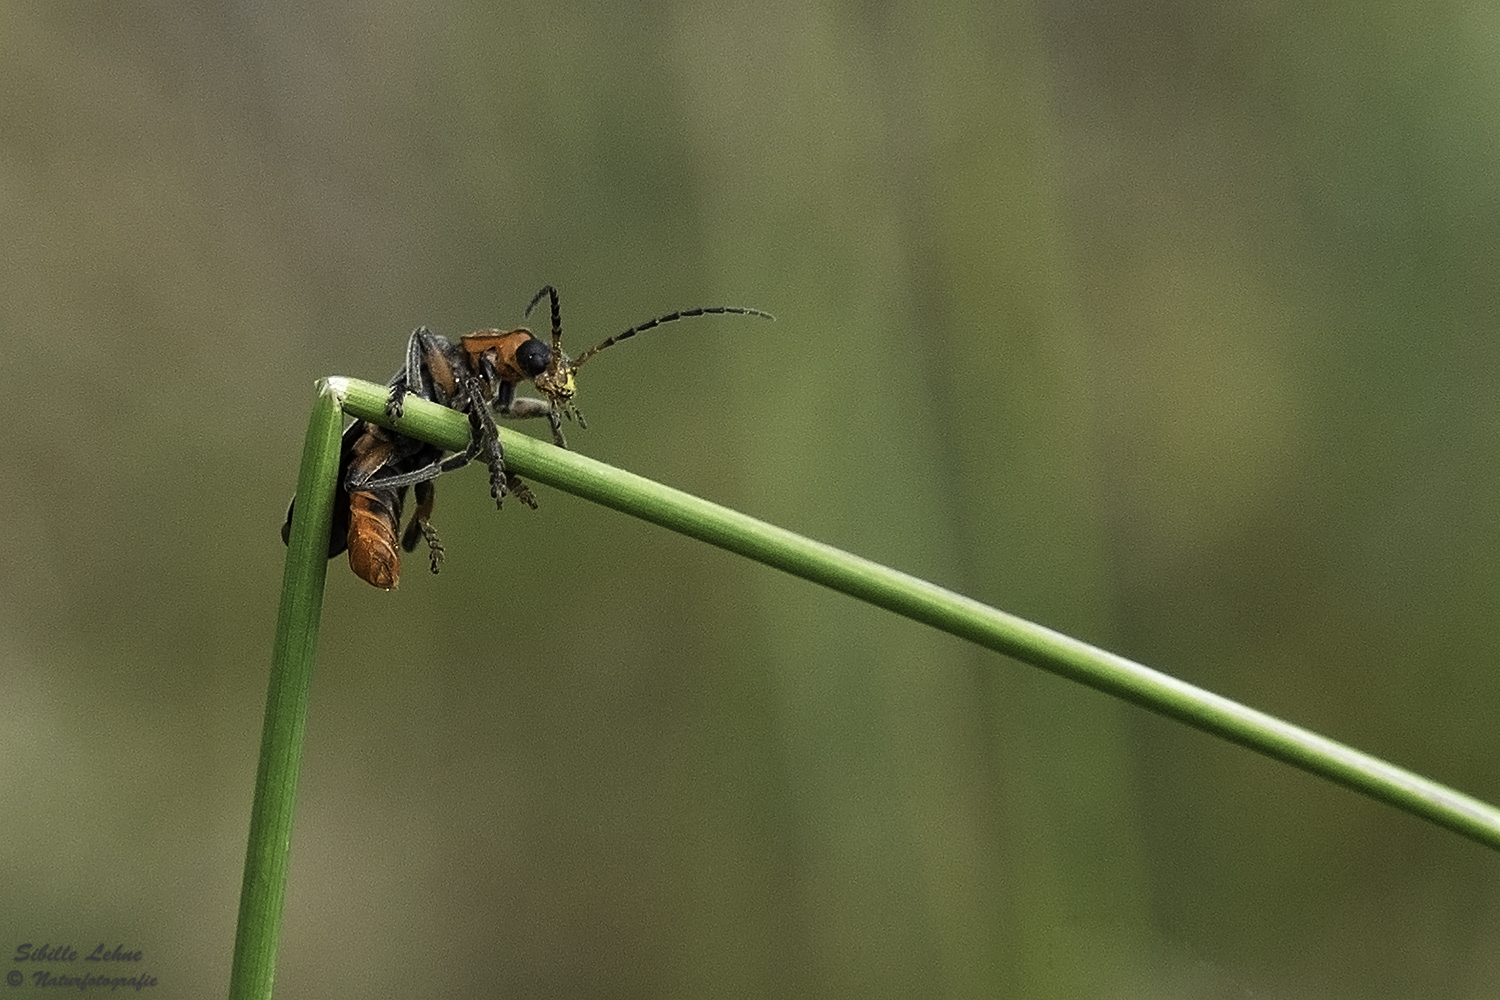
point(477, 376)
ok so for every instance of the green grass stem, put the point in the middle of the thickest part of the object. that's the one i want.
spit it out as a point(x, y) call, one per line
point(958, 615)
point(268, 850)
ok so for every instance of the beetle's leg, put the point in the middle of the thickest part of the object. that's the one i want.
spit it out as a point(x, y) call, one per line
point(428, 472)
point(431, 371)
point(520, 490)
point(527, 408)
point(421, 524)
point(513, 483)
point(514, 407)
point(409, 378)
point(402, 453)
point(486, 438)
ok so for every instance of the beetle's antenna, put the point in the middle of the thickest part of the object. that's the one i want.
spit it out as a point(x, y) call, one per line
point(556, 383)
point(669, 318)
point(557, 354)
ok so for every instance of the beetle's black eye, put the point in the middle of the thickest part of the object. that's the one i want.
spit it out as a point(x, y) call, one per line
point(533, 357)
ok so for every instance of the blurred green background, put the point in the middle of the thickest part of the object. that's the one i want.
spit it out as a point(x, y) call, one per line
point(1169, 325)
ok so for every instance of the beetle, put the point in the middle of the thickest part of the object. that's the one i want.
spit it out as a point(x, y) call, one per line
point(477, 376)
